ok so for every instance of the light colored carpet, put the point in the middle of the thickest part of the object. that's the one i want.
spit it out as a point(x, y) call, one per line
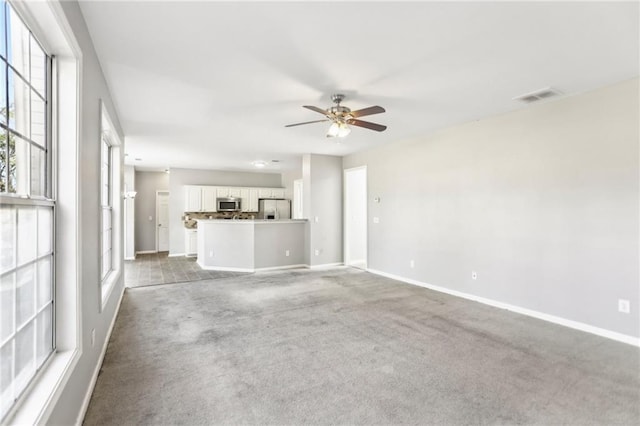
point(347, 347)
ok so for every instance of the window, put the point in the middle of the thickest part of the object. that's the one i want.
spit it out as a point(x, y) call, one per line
point(27, 209)
point(106, 234)
point(110, 205)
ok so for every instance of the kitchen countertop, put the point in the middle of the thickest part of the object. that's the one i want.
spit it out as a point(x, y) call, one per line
point(254, 221)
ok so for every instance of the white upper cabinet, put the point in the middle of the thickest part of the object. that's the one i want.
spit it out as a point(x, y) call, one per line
point(226, 192)
point(202, 198)
point(264, 192)
point(209, 195)
point(249, 198)
point(193, 198)
point(253, 200)
point(270, 192)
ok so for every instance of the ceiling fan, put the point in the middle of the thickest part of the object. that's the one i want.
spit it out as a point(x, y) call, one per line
point(341, 117)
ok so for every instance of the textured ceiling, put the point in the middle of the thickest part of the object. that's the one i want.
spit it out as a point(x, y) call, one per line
point(212, 84)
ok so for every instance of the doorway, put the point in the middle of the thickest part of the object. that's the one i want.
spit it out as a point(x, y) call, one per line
point(162, 228)
point(297, 212)
point(355, 217)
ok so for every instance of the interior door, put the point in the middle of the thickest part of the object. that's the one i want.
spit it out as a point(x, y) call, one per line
point(162, 206)
point(355, 217)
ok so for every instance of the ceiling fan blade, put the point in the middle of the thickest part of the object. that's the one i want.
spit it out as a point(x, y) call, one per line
point(316, 109)
point(306, 122)
point(367, 125)
point(367, 111)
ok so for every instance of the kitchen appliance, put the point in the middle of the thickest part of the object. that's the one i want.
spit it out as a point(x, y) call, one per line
point(274, 209)
point(228, 204)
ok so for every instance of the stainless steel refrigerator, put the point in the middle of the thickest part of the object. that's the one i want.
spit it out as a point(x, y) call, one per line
point(274, 209)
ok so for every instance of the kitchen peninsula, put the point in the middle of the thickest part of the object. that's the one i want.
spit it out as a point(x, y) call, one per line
point(250, 245)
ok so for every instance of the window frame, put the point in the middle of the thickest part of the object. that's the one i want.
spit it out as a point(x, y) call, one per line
point(106, 159)
point(109, 136)
point(49, 24)
point(43, 200)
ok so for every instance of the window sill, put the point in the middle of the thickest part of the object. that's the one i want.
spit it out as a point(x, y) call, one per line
point(107, 286)
point(36, 407)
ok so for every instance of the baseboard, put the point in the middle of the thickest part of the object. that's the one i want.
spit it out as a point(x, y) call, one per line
point(176, 254)
point(277, 268)
point(619, 337)
point(146, 252)
point(325, 265)
point(96, 372)
point(225, 269)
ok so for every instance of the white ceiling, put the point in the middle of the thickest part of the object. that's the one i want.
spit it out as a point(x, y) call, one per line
point(211, 84)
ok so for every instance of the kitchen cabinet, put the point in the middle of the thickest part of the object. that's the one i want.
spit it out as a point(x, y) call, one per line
point(270, 192)
point(228, 192)
point(249, 198)
point(202, 198)
point(209, 195)
point(193, 198)
point(264, 193)
point(191, 242)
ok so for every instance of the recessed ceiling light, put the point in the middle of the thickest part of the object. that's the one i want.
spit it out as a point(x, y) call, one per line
point(259, 164)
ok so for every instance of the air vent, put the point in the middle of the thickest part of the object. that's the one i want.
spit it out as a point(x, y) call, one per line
point(537, 95)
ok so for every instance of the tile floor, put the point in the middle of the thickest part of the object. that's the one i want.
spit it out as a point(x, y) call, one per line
point(159, 268)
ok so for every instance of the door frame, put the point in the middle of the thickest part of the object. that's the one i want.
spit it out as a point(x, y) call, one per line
point(345, 215)
point(298, 199)
point(157, 230)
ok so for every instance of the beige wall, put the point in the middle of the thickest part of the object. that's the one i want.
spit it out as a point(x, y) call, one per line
point(542, 203)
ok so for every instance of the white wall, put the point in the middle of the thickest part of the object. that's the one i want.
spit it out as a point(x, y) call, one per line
point(542, 203)
point(147, 183)
point(322, 180)
point(180, 177)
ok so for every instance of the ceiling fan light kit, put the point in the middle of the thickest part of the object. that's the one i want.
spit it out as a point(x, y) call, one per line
point(338, 129)
point(341, 117)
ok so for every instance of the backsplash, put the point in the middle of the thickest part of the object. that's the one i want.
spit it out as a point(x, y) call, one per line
point(190, 218)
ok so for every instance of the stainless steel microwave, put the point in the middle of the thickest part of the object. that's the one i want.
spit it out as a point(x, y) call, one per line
point(228, 204)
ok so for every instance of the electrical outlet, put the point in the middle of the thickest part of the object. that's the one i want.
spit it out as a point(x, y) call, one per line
point(211, 253)
point(150, 217)
point(286, 253)
point(93, 337)
point(624, 306)
point(316, 219)
point(317, 252)
point(376, 220)
point(474, 276)
point(412, 264)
